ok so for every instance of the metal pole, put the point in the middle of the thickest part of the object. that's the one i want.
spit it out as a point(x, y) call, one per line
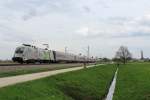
point(88, 52)
point(142, 57)
point(65, 49)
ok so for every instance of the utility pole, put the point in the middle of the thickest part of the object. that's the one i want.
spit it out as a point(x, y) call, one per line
point(66, 50)
point(142, 56)
point(88, 52)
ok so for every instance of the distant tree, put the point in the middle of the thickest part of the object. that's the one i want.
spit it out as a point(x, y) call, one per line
point(123, 54)
point(106, 59)
point(116, 60)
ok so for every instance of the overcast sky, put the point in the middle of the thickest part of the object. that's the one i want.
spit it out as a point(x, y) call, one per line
point(102, 24)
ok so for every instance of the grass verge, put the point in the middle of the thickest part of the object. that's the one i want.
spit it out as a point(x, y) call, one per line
point(21, 72)
point(133, 82)
point(86, 84)
point(31, 70)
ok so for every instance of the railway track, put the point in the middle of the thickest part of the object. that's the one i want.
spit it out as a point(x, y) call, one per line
point(17, 64)
point(21, 64)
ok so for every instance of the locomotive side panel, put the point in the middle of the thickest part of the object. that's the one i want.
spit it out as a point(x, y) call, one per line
point(51, 55)
point(45, 55)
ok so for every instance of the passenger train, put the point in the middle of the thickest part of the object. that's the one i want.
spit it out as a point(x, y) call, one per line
point(31, 54)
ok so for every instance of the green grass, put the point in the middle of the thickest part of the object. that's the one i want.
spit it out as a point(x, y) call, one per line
point(28, 71)
point(85, 84)
point(21, 72)
point(133, 82)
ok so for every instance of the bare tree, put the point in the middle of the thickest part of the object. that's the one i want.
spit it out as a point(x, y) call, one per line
point(123, 54)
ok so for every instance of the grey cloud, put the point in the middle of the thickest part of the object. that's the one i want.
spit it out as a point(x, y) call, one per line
point(12, 35)
point(140, 34)
point(144, 21)
point(125, 35)
point(128, 27)
point(29, 15)
point(27, 9)
point(87, 9)
point(131, 35)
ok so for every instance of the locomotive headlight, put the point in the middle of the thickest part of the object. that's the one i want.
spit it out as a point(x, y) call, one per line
point(24, 58)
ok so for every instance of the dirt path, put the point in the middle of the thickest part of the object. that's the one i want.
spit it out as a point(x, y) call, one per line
point(28, 77)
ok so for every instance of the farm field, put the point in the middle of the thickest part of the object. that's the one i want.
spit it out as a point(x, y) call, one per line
point(85, 84)
point(133, 82)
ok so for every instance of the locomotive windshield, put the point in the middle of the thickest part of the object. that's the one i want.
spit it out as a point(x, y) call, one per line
point(19, 50)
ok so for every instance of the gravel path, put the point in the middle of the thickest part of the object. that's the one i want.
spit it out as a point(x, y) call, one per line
point(28, 77)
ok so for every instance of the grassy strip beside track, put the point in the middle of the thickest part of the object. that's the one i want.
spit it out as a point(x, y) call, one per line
point(85, 84)
point(133, 82)
point(29, 71)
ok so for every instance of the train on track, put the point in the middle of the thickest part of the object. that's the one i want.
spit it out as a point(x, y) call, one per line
point(32, 54)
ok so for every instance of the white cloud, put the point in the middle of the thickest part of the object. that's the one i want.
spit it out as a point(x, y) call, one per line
point(83, 31)
point(119, 27)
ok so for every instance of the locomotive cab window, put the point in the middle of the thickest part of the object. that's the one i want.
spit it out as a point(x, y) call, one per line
point(20, 50)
